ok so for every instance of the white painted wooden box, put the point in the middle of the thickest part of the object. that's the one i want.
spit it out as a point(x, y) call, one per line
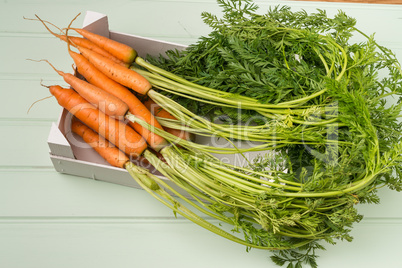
point(68, 152)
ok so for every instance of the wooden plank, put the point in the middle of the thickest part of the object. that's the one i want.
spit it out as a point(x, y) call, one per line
point(23, 94)
point(24, 144)
point(159, 243)
point(31, 193)
point(147, 13)
point(143, 244)
point(40, 48)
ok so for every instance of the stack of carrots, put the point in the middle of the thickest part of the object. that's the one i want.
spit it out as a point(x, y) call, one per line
point(101, 102)
point(120, 127)
point(105, 111)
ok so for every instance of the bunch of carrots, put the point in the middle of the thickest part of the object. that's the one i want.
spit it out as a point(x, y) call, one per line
point(118, 111)
point(103, 100)
point(106, 114)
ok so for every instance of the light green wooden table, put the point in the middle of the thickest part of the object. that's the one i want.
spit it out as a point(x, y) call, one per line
point(50, 220)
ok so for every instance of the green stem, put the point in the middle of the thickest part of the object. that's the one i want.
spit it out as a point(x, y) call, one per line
point(163, 73)
point(145, 179)
point(178, 85)
point(237, 132)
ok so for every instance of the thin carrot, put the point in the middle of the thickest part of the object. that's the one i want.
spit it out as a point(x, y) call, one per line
point(158, 111)
point(108, 151)
point(117, 49)
point(115, 131)
point(120, 74)
point(106, 102)
point(136, 107)
point(97, 78)
point(82, 42)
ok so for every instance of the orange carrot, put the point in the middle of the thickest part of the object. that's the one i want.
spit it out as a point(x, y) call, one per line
point(120, 74)
point(106, 102)
point(158, 111)
point(97, 78)
point(115, 131)
point(82, 42)
point(117, 49)
point(136, 107)
point(108, 151)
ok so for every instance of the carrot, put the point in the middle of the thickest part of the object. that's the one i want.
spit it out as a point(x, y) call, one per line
point(115, 131)
point(136, 107)
point(103, 147)
point(120, 74)
point(158, 111)
point(108, 151)
point(119, 50)
point(82, 42)
point(106, 102)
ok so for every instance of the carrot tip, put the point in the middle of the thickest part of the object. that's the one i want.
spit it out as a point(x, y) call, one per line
point(43, 85)
point(35, 102)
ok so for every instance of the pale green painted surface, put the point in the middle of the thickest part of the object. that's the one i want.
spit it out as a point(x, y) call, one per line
point(52, 220)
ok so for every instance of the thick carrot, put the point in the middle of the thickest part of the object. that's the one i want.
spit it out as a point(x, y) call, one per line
point(113, 155)
point(106, 102)
point(108, 151)
point(158, 111)
point(136, 107)
point(117, 49)
point(115, 131)
point(120, 74)
point(82, 42)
